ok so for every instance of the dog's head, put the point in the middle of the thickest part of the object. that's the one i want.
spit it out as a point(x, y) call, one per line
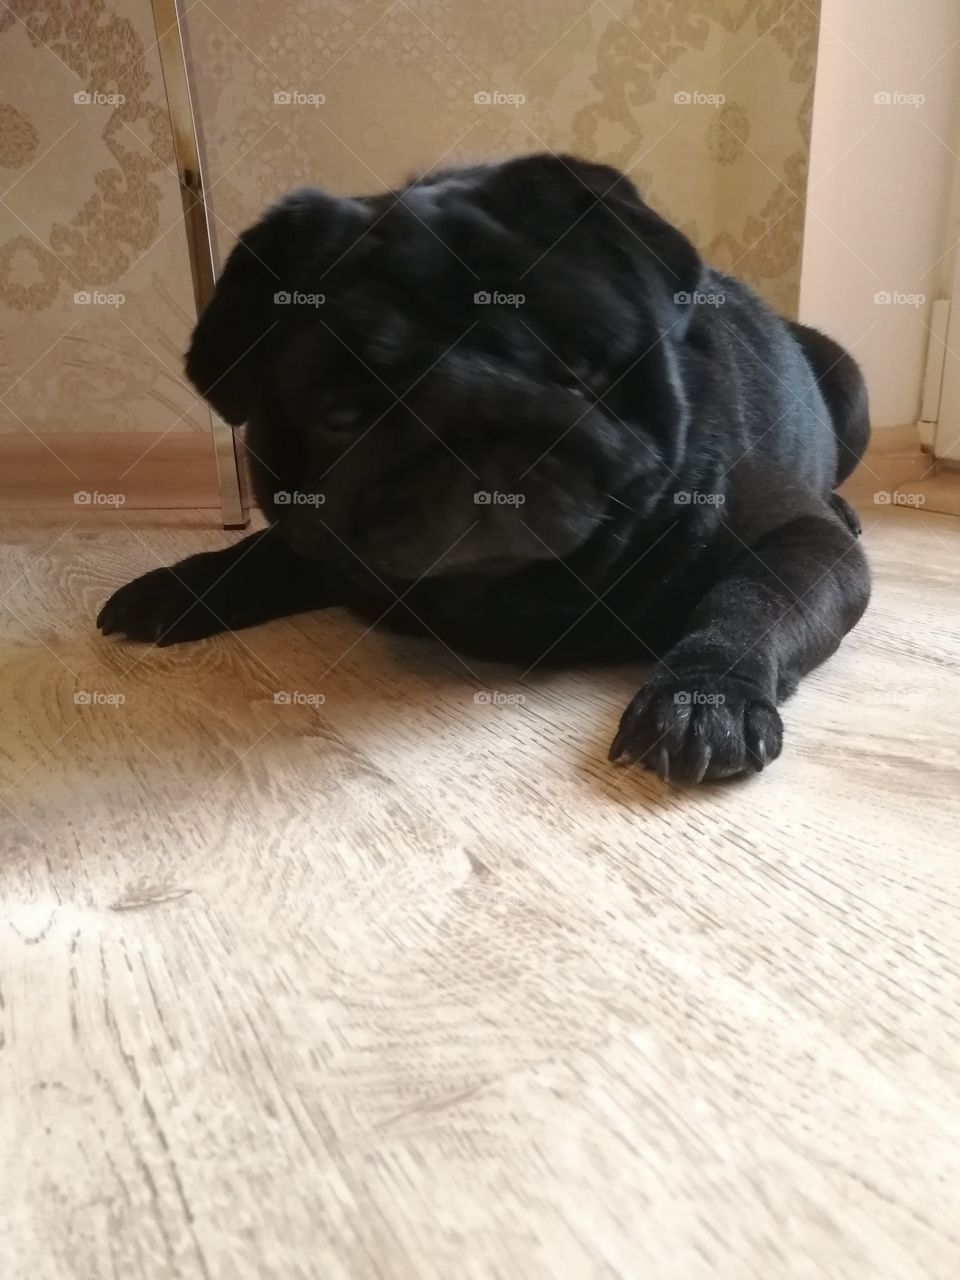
point(477, 370)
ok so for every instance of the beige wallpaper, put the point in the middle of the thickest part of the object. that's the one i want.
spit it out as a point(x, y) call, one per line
point(705, 102)
point(398, 83)
point(89, 208)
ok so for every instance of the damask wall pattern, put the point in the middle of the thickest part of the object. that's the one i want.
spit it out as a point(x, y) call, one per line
point(706, 103)
point(96, 300)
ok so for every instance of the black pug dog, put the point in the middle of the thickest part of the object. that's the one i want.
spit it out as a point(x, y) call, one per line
point(510, 406)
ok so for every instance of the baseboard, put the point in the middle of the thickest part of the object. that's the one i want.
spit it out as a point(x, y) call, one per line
point(939, 492)
point(893, 457)
point(107, 470)
point(150, 470)
point(895, 471)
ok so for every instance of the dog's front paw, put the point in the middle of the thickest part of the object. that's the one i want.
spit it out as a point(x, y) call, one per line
point(699, 728)
point(160, 608)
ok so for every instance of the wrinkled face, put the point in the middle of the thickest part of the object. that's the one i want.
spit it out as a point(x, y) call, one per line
point(472, 375)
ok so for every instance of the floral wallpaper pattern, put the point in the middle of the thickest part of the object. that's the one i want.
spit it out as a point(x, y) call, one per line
point(96, 301)
point(706, 103)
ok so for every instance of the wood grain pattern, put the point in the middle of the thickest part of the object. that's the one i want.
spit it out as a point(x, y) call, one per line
point(403, 984)
point(128, 470)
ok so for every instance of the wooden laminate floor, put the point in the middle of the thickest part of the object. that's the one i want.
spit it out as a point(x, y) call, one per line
point(410, 983)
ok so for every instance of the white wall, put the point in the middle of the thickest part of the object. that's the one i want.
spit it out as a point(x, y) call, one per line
point(879, 216)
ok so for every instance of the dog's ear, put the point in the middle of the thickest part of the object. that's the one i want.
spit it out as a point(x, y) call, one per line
point(561, 200)
point(288, 250)
point(224, 362)
point(668, 270)
point(651, 240)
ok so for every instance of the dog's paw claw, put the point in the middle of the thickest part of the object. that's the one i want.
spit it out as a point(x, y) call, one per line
point(158, 608)
point(699, 729)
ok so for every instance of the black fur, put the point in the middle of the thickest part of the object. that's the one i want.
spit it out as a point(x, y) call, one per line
point(674, 442)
